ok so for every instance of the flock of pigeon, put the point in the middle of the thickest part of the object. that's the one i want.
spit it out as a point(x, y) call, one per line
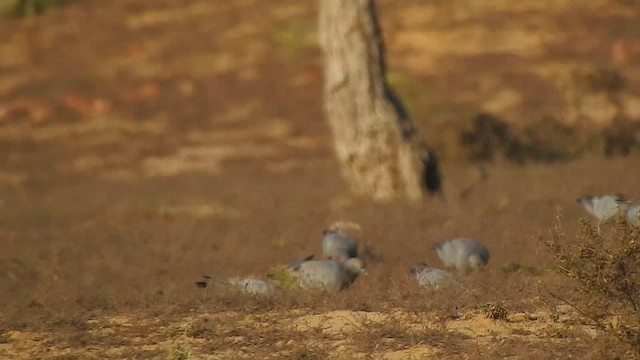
point(341, 265)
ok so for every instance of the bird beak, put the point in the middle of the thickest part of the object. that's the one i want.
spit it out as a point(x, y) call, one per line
point(363, 272)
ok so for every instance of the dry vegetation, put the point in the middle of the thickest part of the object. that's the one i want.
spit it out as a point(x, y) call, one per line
point(147, 145)
point(607, 272)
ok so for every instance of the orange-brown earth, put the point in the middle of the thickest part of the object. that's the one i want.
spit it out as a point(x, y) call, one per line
point(146, 143)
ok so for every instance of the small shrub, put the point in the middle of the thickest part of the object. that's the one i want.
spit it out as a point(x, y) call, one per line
point(607, 273)
point(495, 312)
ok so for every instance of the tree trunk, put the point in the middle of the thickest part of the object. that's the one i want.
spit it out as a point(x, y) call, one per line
point(374, 138)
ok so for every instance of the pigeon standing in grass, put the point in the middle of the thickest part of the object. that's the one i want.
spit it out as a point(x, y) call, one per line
point(633, 215)
point(245, 285)
point(328, 274)
point(253, 286)
point(338, 245)
point(462, 254)
point(431, 278)
point(603, 208)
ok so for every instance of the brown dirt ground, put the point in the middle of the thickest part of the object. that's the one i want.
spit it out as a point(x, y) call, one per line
point(147, 143)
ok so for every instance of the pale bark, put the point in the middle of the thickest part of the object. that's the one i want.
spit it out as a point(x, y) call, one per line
point(374, 138)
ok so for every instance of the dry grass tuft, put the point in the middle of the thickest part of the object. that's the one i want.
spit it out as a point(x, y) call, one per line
point(179, 350)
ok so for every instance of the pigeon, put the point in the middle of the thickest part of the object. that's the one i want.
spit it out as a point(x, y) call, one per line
point(603, 207)
point(245, 285)
point(327, 274)
point(338, 245)
point(462, 254)
point(433, 279)
point(253, 286)
point(633, 215)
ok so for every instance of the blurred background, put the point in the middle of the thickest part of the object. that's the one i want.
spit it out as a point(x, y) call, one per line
point(130, 89)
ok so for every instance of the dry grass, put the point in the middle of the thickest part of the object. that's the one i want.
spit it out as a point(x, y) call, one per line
point(114, 277)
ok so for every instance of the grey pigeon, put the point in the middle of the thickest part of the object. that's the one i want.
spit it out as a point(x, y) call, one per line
point(462, 254)
point(603, 207)
point(431, 278)
point(245, 285)
point(338, 245)
point(328, 274)
point(633, 215)
point(253, 286)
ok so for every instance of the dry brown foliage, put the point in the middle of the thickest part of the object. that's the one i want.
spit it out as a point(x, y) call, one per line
point(606, 269)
